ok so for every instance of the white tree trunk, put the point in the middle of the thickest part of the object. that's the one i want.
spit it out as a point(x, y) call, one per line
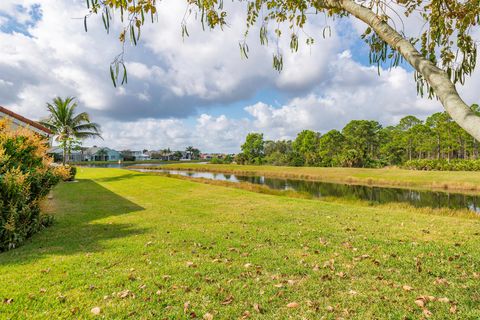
point(436, 77)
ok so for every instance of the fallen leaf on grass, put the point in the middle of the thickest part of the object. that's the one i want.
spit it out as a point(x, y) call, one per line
point(246, 315)
point(96, 310)
point(228, 300)
point(247, 265)
point(208, 316)
point(186, 305)
point(7, 301)
point(407, 288)
point(441, 281)
point(257, 308)
point(124, 294)
point(329, 264)
point(190, 264)
point(347, 245)
point(330, 308)
point(427, 313)
point(444, 300)
point(421, 302)
point(453, 308)
point(293, 305)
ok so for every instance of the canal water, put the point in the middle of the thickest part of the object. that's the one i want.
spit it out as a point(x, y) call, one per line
point(378, 195)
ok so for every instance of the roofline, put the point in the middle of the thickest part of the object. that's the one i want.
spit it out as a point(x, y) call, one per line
point(25, 120)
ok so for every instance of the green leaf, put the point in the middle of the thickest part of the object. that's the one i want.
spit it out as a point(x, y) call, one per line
point(113, 77)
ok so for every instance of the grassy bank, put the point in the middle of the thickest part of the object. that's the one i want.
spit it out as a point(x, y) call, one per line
point(145, 246)
point(440, 180)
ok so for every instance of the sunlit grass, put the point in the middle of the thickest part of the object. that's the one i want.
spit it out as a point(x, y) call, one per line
point(183, 248)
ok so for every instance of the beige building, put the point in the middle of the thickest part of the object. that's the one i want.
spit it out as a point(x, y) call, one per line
point(20, 121)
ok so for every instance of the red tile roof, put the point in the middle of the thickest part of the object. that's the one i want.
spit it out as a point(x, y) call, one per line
point(25, 120)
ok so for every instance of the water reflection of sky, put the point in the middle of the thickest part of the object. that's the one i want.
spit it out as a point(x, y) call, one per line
point(418, 198)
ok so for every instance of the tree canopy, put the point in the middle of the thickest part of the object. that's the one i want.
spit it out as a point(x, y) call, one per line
point(254, 148)
point(443, 53)
point(365, 143)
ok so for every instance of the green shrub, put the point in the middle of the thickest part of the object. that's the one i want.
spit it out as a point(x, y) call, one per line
point(443, 165)
point(225, 160)
point(25, 178)
point(73, 173)
point(216, 160)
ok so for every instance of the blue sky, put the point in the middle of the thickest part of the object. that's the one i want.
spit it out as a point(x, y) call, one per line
point(198, 91)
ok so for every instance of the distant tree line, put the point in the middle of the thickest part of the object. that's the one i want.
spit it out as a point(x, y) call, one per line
point(365, 143)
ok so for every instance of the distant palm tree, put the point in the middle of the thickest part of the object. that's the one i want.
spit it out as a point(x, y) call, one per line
point(193, 152)
point(67, 126)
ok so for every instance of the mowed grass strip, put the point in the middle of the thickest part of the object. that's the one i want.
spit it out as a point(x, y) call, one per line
point(131, 245)
point(388, 177)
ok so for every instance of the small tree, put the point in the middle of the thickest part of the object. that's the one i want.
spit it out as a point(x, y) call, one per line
point(67, 126)
point(306, 145)
point(253, 148)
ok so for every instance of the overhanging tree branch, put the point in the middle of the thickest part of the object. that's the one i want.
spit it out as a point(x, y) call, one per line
point(438, 79)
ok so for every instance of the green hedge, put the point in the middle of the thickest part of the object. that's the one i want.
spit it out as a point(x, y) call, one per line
point(25, 178)
point(443, 165)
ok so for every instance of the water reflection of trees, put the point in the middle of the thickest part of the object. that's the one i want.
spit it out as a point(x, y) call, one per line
point(371, 194)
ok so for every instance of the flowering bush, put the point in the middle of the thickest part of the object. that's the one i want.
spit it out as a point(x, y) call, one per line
point(25, 178)
point(66, 173)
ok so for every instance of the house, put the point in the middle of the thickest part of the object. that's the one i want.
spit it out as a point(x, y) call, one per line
point(129, 155)
point(210, 156)
point(75, 155)
point(164, 155)
point(101, 154)
point(20, 121)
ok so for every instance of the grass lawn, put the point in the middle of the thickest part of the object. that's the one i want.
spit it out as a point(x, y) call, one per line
point(141, 246)
point(447, 180)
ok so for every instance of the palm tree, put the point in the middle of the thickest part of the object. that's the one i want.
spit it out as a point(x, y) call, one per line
point(193, 152)
point(67, 126)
